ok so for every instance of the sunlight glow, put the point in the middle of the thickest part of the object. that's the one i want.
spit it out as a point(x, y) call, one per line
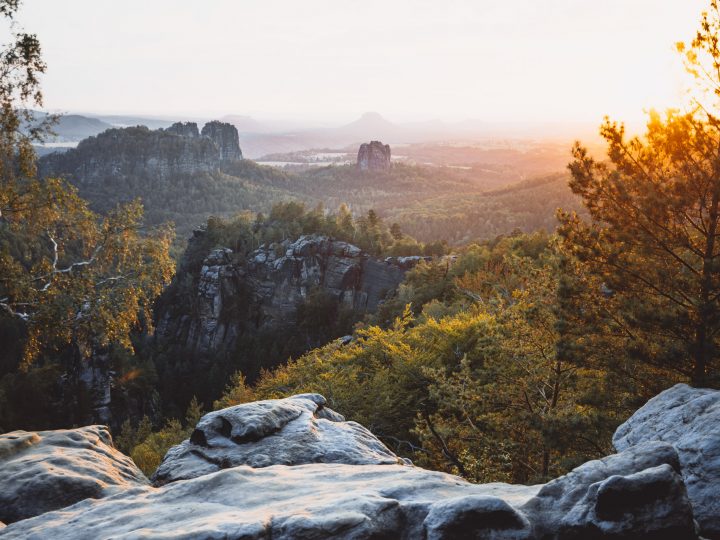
point(328, 60)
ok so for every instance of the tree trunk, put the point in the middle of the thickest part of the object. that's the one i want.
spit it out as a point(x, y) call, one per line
point(703, 339)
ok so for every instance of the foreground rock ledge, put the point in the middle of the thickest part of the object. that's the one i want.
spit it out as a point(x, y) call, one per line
point(46, 470)
point(294, 469)
point(689, 419)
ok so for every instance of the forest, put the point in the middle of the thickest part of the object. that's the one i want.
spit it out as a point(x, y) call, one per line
point(431, 203)
point(538, 317)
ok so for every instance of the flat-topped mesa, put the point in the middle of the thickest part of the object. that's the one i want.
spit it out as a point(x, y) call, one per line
point(373, 156)
point(225, 136)
point(140, 156)
point(185, 129)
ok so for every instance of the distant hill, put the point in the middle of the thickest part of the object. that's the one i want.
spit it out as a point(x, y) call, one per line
point(119, 120)
point(246, 124)
point(179, 178)
point(72, 127)
point(182, 177)
point(460, 218)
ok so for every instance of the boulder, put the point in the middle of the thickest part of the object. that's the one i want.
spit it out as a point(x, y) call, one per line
point(637, 493)
point(291, 431)
point(47, 470)
point(373, 156)
point(475, 516)
point(688, 419)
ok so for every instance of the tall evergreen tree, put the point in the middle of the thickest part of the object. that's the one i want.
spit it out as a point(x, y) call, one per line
point(652, 241)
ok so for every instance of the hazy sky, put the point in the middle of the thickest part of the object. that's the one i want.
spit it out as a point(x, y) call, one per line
point(514, 60)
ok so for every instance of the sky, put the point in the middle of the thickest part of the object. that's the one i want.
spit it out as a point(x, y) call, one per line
point(331, 60)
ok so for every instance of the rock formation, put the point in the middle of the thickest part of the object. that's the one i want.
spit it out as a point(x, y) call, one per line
point(225, 137)
point(48, 470)
point(137, 155)
point(294, 431)
point(185, 129)
point(293, 469)
point(689, 419)
point(272, 282)
point(373, 156)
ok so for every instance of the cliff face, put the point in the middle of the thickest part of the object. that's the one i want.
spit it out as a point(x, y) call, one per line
point(264, 292)
point(185, 129)
point(373, 156)
point(225, 137)
point(138, 153)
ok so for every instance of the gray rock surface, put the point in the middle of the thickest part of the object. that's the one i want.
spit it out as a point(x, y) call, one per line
point(689, 419)
point(293, 469)
point(291, 431)
point(373, 156)
point(638, 493)
point(270, 285)
point(314, 501)
point(225, 137)
point(185, 129)
point(46, 470)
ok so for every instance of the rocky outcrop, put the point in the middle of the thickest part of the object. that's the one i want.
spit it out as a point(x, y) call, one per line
point(225, 137)
point(133, 155)
point(272, 283)
point(292, 431)
point(373, 156)
point(284, 274)
point(138, 156)
point(688, 419)
point(293, 469)
point(185, 129)
point(218, 286)
point(638, 493)
point(47, 470)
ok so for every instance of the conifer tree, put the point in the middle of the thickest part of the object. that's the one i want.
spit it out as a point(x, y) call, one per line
point(651, 244)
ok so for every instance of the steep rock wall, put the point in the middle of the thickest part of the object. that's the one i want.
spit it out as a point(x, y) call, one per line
point(138, 154)
point(262, 293)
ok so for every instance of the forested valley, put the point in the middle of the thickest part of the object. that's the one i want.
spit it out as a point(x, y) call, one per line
point(497, 332)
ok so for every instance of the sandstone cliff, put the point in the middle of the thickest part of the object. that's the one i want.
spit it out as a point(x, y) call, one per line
point(225, 137)
point(185, 129)
point(292, 468)
point(263, 292)
point(373, 156)
point(137, 154)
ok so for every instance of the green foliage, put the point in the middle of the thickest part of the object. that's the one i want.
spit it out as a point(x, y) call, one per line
point(473, 383)
point(647, 260)
point(652, 241)
point(236, 392)
point(72, 283)
point(147, 448)
point(460, 216)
